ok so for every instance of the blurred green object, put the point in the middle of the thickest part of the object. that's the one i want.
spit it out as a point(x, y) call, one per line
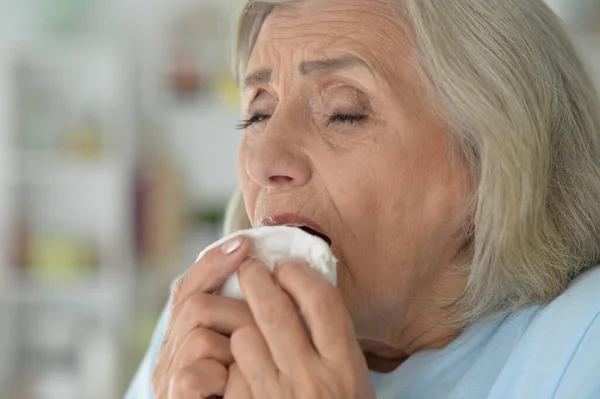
point(59, 14)
point(210, 215)
point(59, 260)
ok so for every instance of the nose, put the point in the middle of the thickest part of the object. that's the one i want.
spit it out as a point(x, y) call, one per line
point(274, 163)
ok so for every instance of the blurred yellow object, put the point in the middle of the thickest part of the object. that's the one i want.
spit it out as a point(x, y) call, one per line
point(226, 92)
point(58, 260)
point(85, 142)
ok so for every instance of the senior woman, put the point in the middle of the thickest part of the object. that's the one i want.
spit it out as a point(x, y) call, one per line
point(450, 149)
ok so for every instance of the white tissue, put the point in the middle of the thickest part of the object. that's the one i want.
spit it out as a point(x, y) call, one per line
point(271, 244)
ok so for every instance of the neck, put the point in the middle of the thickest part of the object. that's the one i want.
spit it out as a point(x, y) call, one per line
point(393, 336)
point(384, 357)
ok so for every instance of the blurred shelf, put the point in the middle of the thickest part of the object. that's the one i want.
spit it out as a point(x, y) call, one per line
point(92, 289)
point(40, 167)
point(72, 50)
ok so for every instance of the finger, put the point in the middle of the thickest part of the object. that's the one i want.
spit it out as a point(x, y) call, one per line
point(207, 275)
point(198, 345)
point(237, 387)
point(202, 379)
point(322, 308)
point(254, 360)
point(276, 317)
point(204, 311)
point(202, 343)
point(213, 269)
point(220, 314)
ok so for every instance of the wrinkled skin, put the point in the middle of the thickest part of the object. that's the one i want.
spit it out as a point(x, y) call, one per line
point(341, 131)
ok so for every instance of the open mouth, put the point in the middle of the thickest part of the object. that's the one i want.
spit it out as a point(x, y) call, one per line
point(295, 220)
point(315, 233)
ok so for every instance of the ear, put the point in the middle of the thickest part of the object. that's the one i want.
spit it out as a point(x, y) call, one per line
point(236, 217)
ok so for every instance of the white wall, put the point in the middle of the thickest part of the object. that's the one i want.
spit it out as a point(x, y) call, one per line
point(206, 141)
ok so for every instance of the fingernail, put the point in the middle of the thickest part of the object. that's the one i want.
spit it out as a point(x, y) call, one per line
point(231, 246)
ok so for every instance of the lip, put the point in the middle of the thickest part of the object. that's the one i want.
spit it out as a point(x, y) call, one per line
point(290, 218)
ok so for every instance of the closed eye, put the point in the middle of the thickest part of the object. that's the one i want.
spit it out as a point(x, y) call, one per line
point(335, 118)
point(252, 120)
point(349, 119)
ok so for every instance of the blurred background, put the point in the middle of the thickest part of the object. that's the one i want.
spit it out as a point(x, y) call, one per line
point(117, 158)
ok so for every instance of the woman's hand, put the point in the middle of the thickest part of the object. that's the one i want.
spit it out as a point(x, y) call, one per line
point(278, 357)
point(195, 355)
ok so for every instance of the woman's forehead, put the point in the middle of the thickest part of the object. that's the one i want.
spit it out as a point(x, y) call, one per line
point(323, 29)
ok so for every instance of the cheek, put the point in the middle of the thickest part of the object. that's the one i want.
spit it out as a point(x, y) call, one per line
point(248, 186)
point(349, 185)
point(398, 195)
point(241, 162)
point(427, 203)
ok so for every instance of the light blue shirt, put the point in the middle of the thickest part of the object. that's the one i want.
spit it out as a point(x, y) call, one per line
point(541, 352)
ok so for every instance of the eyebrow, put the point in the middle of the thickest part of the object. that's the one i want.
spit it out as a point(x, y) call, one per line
point(257, 78)
point(264, 76)
point(318, 66)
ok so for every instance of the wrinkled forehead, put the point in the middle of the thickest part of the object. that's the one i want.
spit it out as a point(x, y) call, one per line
point(317, 29)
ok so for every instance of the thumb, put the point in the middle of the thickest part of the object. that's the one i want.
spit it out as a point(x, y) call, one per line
point(215, 265)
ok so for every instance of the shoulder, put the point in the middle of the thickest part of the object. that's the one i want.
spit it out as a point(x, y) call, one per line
point(579, 304)
point(575, 315)
point(559, 348)
point(572, 316)
point(567, 317)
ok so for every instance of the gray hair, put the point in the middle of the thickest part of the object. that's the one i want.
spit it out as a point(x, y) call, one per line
point(523, 110)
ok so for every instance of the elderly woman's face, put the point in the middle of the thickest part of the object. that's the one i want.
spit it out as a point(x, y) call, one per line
point(341, 132)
